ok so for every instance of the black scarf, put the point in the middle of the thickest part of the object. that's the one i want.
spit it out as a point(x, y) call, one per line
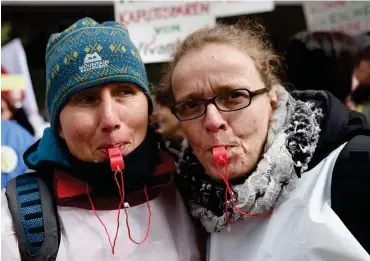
point(139, 167)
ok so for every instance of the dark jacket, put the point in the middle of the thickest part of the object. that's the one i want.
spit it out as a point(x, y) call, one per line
point(338, 126)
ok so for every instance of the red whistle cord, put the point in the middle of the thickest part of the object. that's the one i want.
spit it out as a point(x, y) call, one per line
point(117, 163)
point(228, 191)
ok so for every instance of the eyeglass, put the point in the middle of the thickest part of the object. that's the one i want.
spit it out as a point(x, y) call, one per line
point(232, 100)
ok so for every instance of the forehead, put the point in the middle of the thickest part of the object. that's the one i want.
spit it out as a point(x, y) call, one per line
point(109, 86)
point(214, 67)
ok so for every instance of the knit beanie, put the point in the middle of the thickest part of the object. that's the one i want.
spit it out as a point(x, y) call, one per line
point(86, 55)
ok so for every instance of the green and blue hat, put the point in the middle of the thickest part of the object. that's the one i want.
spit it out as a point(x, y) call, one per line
point(86, 55)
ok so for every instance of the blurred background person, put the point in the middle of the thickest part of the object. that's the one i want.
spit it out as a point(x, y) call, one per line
point(361, 96)
point(15, 140)
point(362, 71)
point(11, 107)
point(14, 62)
point(165, 123)
point(324, 61)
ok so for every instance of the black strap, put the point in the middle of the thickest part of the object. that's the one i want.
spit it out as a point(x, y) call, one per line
point(34, 216)
point(350, 189)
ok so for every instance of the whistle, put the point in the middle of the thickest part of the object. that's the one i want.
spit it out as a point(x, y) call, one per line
point(116, 160)
point(220, 156)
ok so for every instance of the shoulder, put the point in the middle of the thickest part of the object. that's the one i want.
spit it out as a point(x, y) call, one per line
point(350, 192)
point(338, 126)
point(9, 242)
point(6, 218)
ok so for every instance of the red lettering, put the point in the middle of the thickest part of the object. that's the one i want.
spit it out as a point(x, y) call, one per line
point(161, 13)
point(335, 4)
point(175, 11)
point(133, 18)
point(165, 13)
point(188, 9)
point(204, 8)
point(348, 27)
point(157, 11)
point(123, 18)
point(140, 14)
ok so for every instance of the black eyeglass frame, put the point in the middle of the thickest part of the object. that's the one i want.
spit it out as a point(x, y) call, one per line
point(213, 101)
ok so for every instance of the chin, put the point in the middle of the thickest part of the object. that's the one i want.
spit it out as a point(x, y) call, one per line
point(234, 171)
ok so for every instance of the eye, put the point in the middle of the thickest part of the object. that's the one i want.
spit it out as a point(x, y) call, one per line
point(235, 95)
point(191, 104)
point(124, 91)
point(85, 99)
point(189, 108)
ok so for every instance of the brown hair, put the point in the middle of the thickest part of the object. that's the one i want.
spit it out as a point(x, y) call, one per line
point(247, 36)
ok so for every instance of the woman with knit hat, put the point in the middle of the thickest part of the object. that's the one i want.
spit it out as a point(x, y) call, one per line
point(99, 156)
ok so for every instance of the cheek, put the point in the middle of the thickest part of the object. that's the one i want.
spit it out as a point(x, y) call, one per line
point(246, 126)
point(251, 131)
point(134, 118)
point(193, 132)
point(77, 128)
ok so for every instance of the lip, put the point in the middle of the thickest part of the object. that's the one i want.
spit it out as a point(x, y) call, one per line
point(121, 145)
point(221, 145)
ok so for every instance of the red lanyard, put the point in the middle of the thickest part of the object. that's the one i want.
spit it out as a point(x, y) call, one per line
point(117, 165)
point(221, 159)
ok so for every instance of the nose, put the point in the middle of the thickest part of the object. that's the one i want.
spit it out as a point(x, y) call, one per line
point(214, 121)
point(109, 119)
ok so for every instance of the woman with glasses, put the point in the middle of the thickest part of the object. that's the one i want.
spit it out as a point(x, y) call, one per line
point(258, 163)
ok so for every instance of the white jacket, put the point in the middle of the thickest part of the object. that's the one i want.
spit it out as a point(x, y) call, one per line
point(171, 236)
point(304, 228)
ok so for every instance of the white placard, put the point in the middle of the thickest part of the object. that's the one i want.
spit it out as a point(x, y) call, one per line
point(238, 7)
point(156, 27)
point(351, 17)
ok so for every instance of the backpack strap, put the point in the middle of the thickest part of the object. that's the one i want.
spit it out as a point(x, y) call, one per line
point(350, 189)
point(34, 216)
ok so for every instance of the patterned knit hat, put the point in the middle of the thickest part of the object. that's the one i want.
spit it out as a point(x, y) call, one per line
point(89, 54)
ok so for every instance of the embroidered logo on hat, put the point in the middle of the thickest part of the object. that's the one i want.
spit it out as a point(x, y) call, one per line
point(93, 61)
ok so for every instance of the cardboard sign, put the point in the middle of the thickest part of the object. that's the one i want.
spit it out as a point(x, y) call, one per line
point(157, 27)
point(348, 17)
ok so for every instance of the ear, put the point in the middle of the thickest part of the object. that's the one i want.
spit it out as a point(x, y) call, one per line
point(60, 132)
point(273, 96)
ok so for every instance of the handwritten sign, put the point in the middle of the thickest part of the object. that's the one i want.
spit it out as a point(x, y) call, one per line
point(157, 27)
point(345, 16)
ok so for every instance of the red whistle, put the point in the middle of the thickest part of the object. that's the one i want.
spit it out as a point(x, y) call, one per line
point(116, 160)
point(220, 156)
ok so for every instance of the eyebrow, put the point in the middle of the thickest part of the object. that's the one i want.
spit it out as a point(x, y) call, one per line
point(219, 89)
point(87, 91)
